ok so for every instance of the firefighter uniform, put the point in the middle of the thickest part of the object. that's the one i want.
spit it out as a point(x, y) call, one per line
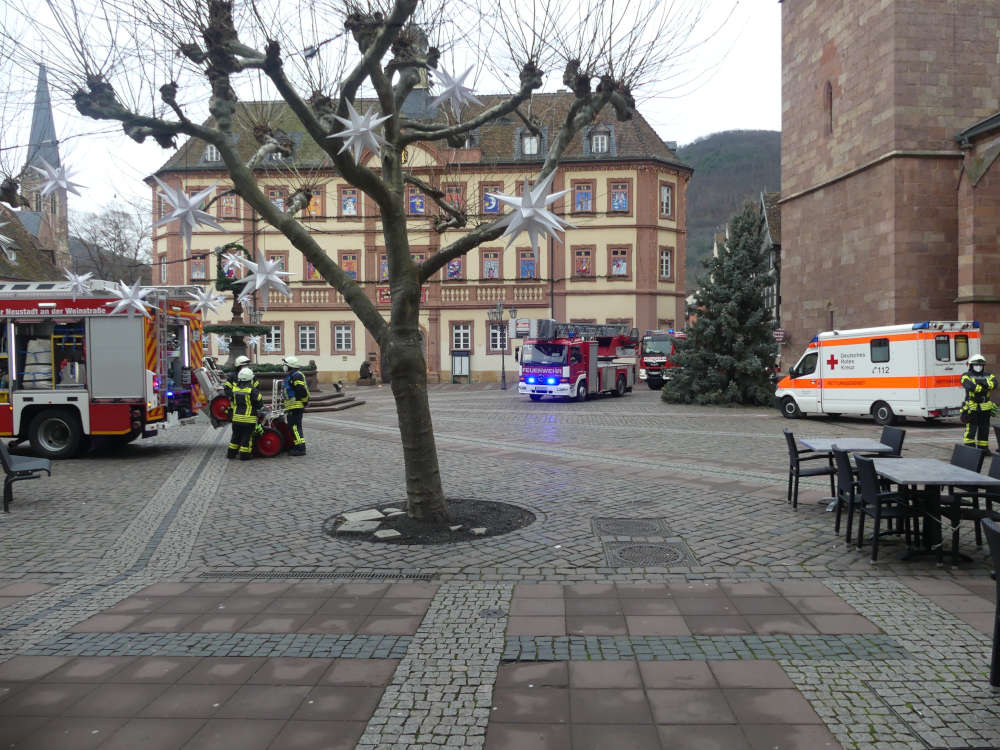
point(978, 406)
point(296, 398)
point(246, 402)
point(227, 387)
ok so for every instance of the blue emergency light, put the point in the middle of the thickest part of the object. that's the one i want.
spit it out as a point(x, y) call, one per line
point(550, 381)
point(531, 380)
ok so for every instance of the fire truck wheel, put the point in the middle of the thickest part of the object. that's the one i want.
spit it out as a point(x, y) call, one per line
point(55, 433)
point(581, 391)
point(220, 408)
point(654, 385)
point(535, 396)
point(619, 386)
point(790, 409)
point(883, 413)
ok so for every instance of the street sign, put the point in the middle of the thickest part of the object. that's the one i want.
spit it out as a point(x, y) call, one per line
point(779, 334)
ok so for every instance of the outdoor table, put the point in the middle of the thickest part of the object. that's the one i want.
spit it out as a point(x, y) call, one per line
point(851, 445)
point(932, 474)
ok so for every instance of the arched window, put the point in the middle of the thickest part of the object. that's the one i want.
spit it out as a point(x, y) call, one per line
point(828, 107)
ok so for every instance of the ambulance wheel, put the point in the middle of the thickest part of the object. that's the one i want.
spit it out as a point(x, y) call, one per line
point(581, 391)
point(268, 444)
point(220, 408)
point(790, 409)
point(55, 433)
point(535, 396)
point(619, 386)
point(883, 413)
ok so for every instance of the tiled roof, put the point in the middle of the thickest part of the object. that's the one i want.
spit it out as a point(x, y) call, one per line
point(33, 262)
point(772, 215)
point(498, 141)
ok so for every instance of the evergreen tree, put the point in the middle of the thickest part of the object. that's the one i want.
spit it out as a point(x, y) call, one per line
point(729, 354)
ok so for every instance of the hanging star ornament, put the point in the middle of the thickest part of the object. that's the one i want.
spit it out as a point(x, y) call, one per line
point(530, 213)
point(252, 342)
point(55, 178)
point(186, 209)
point(454, 92)
point(266, 276)
point(205, 300)
point(130, 297)
point(231, 262)
point(78, 284)
point(360, 132)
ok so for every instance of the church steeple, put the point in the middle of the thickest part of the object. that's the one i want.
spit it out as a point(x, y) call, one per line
point(42, 143)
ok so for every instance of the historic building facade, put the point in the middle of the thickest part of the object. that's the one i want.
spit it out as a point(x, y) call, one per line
point(880, 223)
point(623, 260)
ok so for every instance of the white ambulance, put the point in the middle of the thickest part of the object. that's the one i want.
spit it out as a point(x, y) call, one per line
point(911, 370)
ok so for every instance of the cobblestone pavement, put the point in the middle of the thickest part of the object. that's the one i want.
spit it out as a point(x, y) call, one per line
point(662, 544)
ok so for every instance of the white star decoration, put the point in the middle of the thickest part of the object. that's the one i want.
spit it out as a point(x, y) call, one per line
point(530, 213)
point(205, 299)
point(360, 132)
point(252, 342)
point(266, 276)
point(55, 178)
point(232, 261)
point(78, 284)
point(455, 92)
point(186, 209)
point(130, 297)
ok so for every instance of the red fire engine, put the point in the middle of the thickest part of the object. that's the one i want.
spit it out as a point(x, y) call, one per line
point(655, 351)
point(576, 360)
point(69, 369)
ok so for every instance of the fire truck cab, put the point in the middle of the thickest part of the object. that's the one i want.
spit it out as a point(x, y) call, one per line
point(69, 369)
point(577, 360)
point(655, 350)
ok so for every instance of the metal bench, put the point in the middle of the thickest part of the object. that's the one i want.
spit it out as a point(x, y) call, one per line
point(16, 468)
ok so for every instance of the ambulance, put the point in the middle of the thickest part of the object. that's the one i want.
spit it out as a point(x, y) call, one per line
point(889, 372)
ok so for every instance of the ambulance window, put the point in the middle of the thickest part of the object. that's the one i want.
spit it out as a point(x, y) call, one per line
point(942, 348)
point(961, 347)
point(880, 350)
point(808, 365)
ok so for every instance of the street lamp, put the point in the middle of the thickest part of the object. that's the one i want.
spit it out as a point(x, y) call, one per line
point(495, 316)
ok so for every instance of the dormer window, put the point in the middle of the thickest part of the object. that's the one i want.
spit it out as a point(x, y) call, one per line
point(599, 143)
point(212, 153)
point(530, 144)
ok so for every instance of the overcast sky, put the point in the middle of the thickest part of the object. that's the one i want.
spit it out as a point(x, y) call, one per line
point(738, 87)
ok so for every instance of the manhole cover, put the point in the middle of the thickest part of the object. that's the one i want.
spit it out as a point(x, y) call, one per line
point(646, 555)
point(629, 527)
point(492, 613)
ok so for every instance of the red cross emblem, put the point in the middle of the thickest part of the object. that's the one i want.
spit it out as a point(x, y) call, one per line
point(832, 361)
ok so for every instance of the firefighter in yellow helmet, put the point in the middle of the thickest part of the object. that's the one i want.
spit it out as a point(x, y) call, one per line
point(296, 398)
point(978, 406)
point(246, 402)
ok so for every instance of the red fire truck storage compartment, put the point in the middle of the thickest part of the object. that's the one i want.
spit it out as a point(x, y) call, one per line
point(113, 344)
point(6, 419)
point(110, 419)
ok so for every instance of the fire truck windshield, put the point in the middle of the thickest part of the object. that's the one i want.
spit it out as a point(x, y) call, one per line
point(543, 354)
point(661, 345)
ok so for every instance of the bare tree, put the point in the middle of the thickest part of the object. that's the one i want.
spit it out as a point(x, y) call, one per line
point(115, 243)
point(152, 66)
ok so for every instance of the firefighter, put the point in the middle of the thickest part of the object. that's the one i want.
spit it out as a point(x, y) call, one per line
point(978, 406)
point(296, 398)
point(246, 402)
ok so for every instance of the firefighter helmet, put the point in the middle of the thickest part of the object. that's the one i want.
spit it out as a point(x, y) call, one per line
point(290, 360)
point(245, 374)
point(977, 359)
point(241, 361)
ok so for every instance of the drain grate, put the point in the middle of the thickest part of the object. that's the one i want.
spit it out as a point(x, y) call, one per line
point(363, 575)
point(647, 554)
point(630, 527)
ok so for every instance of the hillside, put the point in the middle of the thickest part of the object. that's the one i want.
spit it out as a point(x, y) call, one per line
point(728, 167)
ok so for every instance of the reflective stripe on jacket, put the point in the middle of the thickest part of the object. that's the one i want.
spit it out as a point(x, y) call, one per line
point(246, 402)
point(978, 387)
point(296, 391)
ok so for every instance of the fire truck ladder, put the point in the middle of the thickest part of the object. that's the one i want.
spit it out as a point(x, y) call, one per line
point(591, 330)
point(160, 313)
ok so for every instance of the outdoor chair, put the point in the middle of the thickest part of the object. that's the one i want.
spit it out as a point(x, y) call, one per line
point(879, 505)
point(893, 437)
point(992, 529)
point(962, 504)
point(16, 468)
point(967, 457)
point(847, 489)
point(797, 456)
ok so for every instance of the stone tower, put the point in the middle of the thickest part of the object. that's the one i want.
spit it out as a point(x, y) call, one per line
point(874, 95)
point(53, 209)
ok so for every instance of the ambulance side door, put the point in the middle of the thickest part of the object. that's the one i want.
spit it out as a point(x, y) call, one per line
point(805, 382)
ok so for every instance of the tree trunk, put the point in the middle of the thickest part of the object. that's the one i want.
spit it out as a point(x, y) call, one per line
point(408, 370)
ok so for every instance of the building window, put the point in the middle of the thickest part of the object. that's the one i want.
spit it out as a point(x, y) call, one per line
point(280, 258)
point(498, 336)
point(272, 340)
point(490, 204)
point(461, 337)
point(415, 202)
point(618, 201)
point(343, 338)
point(583, 261)
point(311, 273)
point(53, 206)
point(666, 263)
point(666, 200)
point(383, 268)
point(314, 209)
point(307, 337)
point(599, 143)
point(828, 107)
point(455, 270)
point(163, 269)
point(618, 262)
point(277, 197)
point(228, 208)
point(38, 204)
point(222, 343)
point(349, 264)
point(526, 264)
point(530, 144)
point(212, 153)
point(455, 196)
point(199, 269)
point(491, 264)
point(583, 197)
point(349, 202)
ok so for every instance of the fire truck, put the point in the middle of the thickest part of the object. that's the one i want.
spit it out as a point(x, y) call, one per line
point(655, 350)
point(70, 369)
point(576, 360)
